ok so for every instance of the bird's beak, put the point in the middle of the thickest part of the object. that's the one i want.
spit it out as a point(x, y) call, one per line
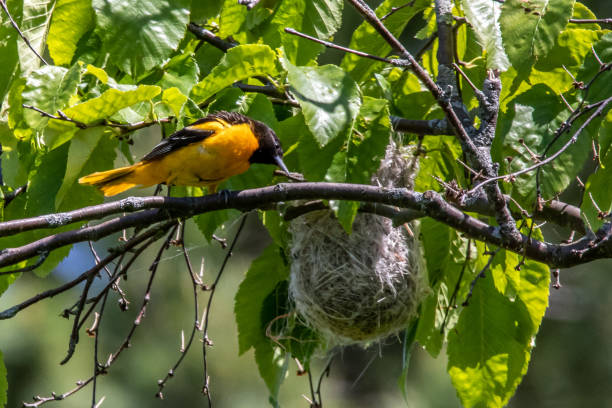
point(279, 162)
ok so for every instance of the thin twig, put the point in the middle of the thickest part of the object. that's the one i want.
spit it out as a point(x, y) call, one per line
point(12, 311)
point(591, 20)
point(23, 37)
point(481, 274)
point(396, 62)
point(195, 283)
point(205, 340)
point(549, 159)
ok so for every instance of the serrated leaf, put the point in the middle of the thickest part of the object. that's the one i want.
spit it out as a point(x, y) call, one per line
point(64, 32)
point(329, 99)
point(3, 380)
point(489, 348)
point(241, 62)
point(582, 12)
point(487, 364)
point(110, 102)
point(35, 21)
point(530, 28)
point(49, 88)
point(366, 38)
point(151, 28)
point(265, 273)
point(483, 16)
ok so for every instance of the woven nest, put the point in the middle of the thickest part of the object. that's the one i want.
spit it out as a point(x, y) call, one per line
point(365, 286)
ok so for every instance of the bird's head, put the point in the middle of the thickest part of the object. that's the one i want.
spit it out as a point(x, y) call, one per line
point(270, 150)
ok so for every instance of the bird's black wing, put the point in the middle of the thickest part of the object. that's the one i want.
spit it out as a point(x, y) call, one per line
point(193, 134)
point(183, 137)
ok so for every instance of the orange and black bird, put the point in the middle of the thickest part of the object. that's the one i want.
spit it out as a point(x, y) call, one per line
point(205, 153)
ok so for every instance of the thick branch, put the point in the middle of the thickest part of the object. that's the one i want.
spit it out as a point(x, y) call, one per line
point(430, 203)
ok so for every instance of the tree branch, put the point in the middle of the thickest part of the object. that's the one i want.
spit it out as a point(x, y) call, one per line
point(429, 203)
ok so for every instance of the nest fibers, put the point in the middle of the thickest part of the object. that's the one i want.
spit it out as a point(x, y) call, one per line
point(365, 286)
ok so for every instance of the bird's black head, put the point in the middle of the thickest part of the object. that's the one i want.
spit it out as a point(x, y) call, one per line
point(270, 150)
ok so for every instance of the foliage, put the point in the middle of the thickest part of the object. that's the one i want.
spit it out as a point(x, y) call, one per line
point(79, 107)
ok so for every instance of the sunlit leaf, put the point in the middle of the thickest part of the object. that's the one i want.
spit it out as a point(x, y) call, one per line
point(140, 34)
point(64, 32)
point(367, 39)
point(35, 21)
point(49, 88)
point(483, 16)
point(110, 102)
point(329, 99)
point(241, 62)
point(8, 49)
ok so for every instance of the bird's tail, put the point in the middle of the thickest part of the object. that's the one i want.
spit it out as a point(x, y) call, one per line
point(112, 182)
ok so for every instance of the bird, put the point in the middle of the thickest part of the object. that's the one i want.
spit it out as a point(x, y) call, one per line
point(204, 153)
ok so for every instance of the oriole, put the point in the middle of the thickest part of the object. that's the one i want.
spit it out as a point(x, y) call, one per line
point(205, 153)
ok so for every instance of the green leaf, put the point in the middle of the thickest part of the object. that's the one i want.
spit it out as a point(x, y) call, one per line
point(233, 16)
point(366, 38)
point(65, 32)
point(241, 62)
point(318, 18)
point(530, 29)
point(445, 252)
point(90, 150)
point(35, 24)
point(329, 99)
point(483, 17)
point(3, 381)
point(361, 157)
point(174, 99)
point(8, 49)
point(489, 348)
point(265, 273)
point(308, 147)
point(110, 102)
point(140, 34)
point(597, 187)
point(602, 88)
point(180, 72)
point(44, 182)
point(440, 160)
point(582, 12)
point(210, 222)
point(527, 128)
point(49, 88)
point(323, 17)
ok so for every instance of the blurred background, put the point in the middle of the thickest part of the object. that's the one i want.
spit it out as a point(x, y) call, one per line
point(571, 365)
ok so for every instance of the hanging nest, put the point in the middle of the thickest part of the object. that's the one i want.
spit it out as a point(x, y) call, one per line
point(364, 286)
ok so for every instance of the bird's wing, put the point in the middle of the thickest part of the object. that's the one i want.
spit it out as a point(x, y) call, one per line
point(182, 138)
